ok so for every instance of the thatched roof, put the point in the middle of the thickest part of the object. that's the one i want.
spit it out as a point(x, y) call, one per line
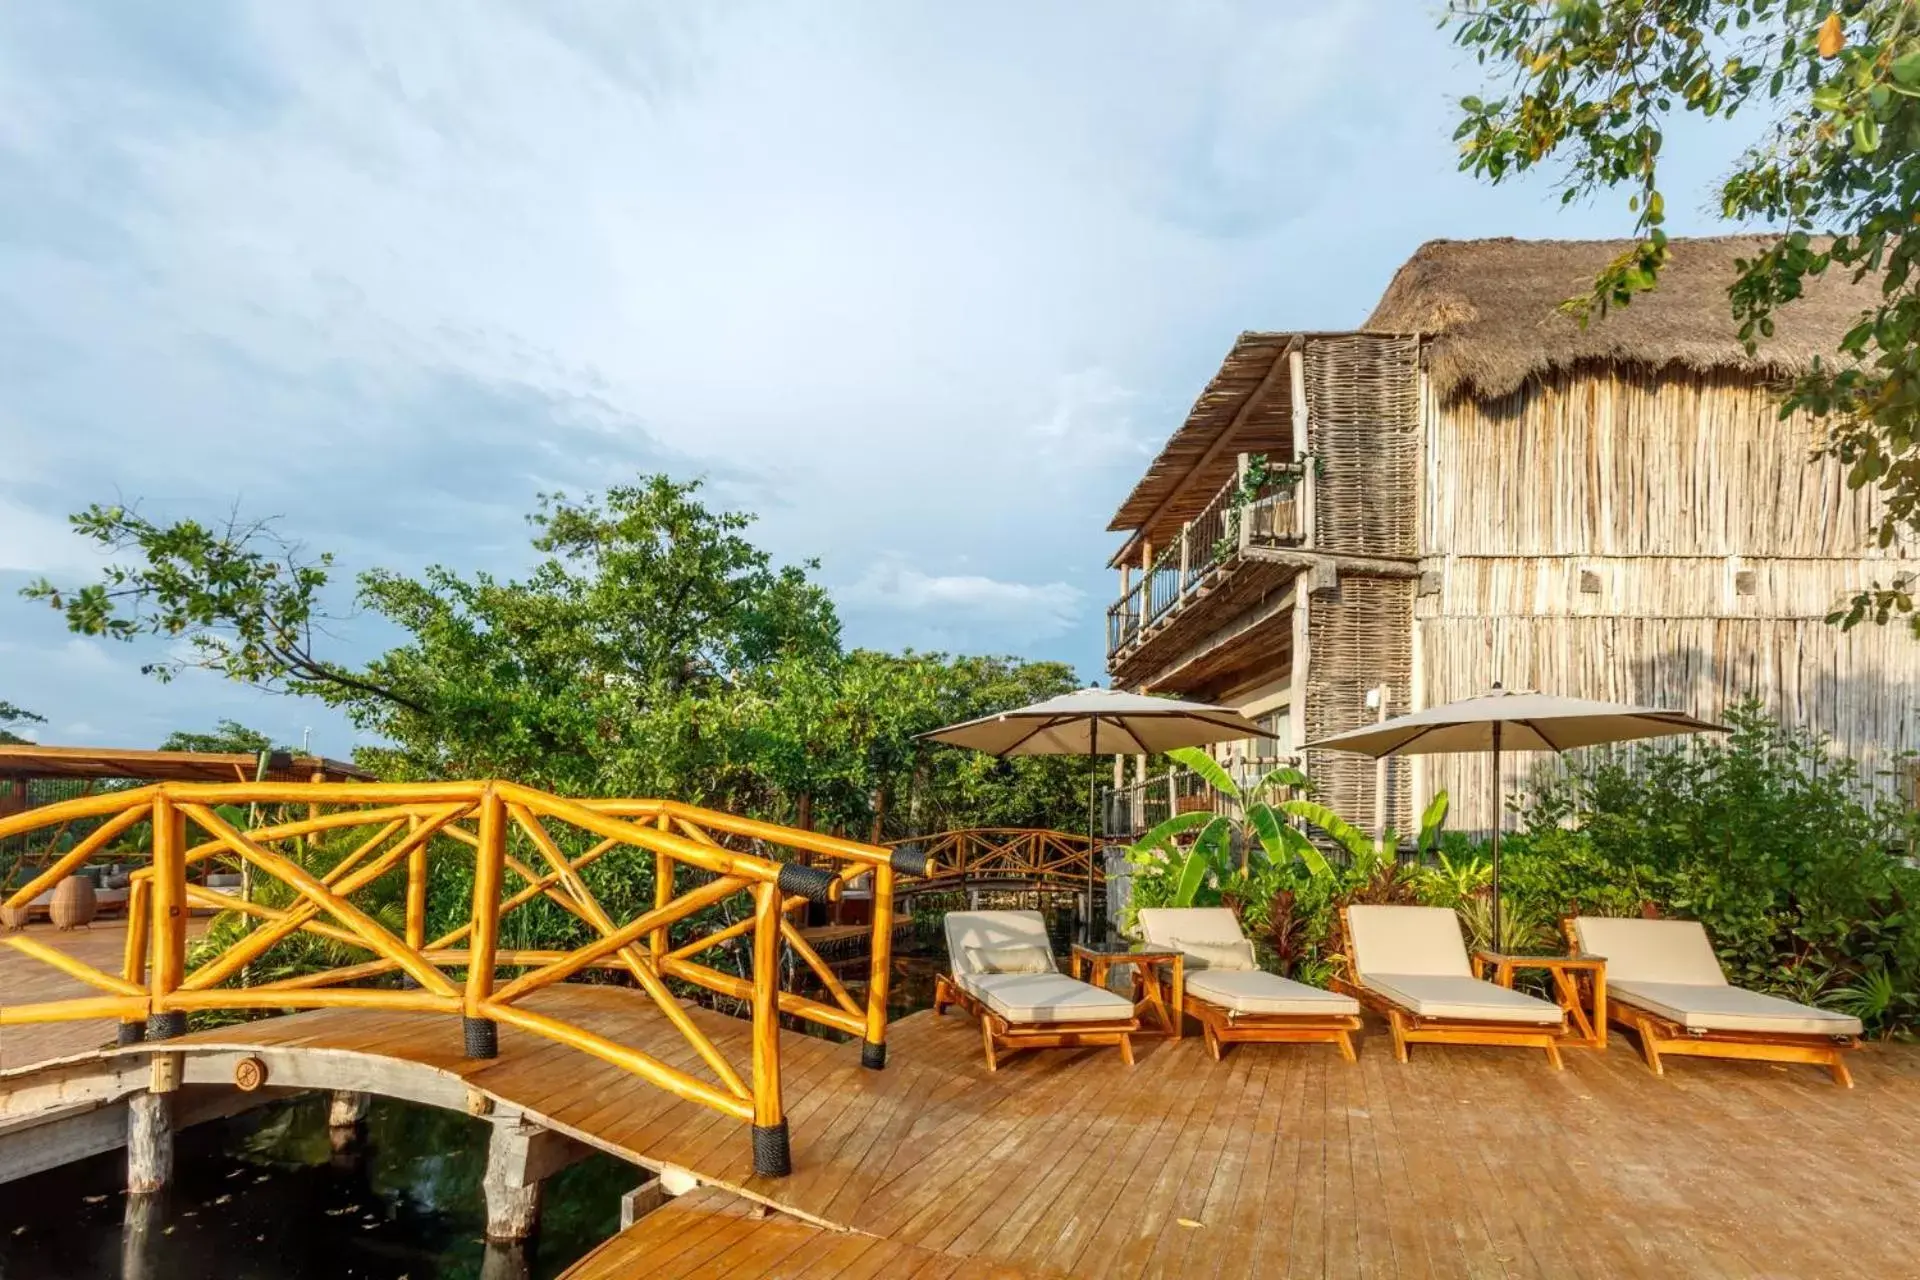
point(1490, 309)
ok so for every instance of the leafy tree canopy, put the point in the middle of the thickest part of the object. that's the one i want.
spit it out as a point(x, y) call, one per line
point(651, 649)
point(10, 714)
point(1833, 169)
point(227, 736)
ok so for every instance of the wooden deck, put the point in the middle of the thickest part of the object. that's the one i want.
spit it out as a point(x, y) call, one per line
point(1278, 1161)
point(24, 980)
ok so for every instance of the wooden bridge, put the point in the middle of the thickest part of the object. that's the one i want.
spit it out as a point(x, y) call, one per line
point(1003, 857)
point(515, 845)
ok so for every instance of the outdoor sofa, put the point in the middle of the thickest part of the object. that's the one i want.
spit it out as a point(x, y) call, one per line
point(1233, 999)
point(1003, 972)
point(1665, 984)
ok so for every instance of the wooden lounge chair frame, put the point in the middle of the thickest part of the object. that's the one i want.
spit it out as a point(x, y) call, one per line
point(1410, 1028)
point(1659, 1036)
point(998, 1035)
point(1223, 1026)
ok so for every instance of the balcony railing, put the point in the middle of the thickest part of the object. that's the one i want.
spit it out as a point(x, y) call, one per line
point(1261, 506)
point(1138, 807)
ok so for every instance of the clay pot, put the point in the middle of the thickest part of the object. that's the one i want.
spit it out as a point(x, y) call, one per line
point(74, 903)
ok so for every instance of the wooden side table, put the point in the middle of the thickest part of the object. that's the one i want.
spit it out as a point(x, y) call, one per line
point(1094, 964)
point(1589, 1022)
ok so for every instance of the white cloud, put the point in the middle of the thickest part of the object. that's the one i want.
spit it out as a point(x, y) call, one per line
point(928, 278)
point(965, 601)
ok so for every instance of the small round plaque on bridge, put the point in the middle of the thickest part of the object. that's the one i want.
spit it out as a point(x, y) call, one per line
point(249, 1074)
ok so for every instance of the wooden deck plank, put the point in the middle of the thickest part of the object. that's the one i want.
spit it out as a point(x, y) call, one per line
point(1465, 1162)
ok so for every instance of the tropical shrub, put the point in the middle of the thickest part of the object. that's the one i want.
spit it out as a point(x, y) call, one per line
point(1800, 870)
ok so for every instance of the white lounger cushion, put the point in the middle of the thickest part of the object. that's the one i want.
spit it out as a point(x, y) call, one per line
point(1650, 950)
point(1046, 997)
point(1451, 996)
point(1700, 1006)
point(1408, 940)
point(971, 932)
point(1209, 937)
point(1257, 991)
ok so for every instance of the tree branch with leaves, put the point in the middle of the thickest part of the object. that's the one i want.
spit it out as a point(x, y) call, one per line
point(1833, 170)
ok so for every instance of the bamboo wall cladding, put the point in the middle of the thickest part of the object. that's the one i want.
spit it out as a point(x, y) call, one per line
point(1861, 687)
point(1622, 460)
point(1359, 637)
point(1363, 423)
point(523, 845)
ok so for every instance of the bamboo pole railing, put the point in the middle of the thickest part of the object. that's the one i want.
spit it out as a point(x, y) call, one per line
point(974, 855)
point(522, 845)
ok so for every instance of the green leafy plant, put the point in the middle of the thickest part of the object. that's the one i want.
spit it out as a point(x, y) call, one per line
point(1831, 171)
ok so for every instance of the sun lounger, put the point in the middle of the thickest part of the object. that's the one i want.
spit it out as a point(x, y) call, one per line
point(1665, 984)
point(1410, 964)
point(1235, 1001)
point(1003, 972)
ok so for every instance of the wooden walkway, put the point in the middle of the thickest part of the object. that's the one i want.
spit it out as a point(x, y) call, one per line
point(1279, 1161)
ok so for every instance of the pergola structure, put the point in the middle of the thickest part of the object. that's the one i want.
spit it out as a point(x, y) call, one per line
point(28, 762)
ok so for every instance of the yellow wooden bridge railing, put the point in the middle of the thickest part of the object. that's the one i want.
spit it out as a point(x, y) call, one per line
point(701, 859)
point(973, 855)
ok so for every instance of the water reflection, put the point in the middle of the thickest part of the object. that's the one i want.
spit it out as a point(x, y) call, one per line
point(277, 1195)
point(270, 1196)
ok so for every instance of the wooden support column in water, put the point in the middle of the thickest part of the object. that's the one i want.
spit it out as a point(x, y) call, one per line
point(149, 1142)
point(521, 1156)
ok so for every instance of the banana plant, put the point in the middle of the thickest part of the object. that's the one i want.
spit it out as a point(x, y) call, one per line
point(1269, 837)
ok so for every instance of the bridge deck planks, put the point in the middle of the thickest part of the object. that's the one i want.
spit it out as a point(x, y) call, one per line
point(1466, 1162)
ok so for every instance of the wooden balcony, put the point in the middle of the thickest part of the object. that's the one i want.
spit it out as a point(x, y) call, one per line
point(1262, 510)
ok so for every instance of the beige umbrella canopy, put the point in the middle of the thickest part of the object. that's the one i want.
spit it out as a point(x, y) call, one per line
point(1096, 721)
point(1090, 722)
point(1499, 721)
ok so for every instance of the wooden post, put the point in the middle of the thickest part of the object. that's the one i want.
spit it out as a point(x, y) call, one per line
point(417, 894)
point(873, 1049)
point(313, 810)
point(346, 1108)
point(1146, 582)
point(149, 1142)
point(1242, 513)
point(772, 1156)
point(133, 965)
point(141, 1227)
point(489, 858)
point(167, 919)
point(663, 871)
point(1186, 555)
point(513, 1197)
point(1303, 444)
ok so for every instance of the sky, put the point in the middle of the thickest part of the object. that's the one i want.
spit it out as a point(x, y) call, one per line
point(922, 285)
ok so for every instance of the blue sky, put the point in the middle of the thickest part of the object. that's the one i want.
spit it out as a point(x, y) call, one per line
point(924, 285)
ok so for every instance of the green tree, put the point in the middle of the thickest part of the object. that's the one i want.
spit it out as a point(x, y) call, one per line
point(651, 649)
point(1833, 168)
point(11, 715)
point(227, 736)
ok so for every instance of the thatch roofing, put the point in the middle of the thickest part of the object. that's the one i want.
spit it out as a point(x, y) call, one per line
point(1490, 311)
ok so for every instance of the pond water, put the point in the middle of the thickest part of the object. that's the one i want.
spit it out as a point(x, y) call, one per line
point(265, 1196)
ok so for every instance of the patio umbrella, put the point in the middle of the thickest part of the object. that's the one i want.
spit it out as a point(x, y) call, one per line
point(1500, 720)
point(1091, 721)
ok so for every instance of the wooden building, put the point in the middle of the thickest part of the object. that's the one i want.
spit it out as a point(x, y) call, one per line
point(1473, 488)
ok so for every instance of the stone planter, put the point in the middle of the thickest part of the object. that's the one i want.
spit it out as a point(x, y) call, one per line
point(74, 903)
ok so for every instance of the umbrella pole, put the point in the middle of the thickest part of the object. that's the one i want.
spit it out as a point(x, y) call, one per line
point(1093, 823)
point(1494, 791)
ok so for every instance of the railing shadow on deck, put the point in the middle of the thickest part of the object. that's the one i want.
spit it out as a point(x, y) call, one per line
point(701, 858)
